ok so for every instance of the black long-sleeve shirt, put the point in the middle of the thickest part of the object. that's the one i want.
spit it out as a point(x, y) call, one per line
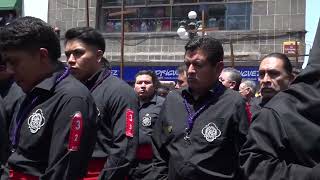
point(284, 138)
point(118, 109)
point(57, 134)
point(211, 151)
point(3, 135)
point(11, 94)
point(148, 116)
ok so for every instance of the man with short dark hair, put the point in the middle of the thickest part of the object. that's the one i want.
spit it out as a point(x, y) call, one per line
point(283, 140)
point(117, 103)
point(52, 135)
point(182, 77)
point(163, 91)
point(275, 75)
point(10, 92)
point(230, 78)
point(201, 127)
point(146, 84)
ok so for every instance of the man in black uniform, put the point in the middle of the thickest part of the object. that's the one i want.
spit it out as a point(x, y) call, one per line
point(52, 134)
point(10, 92)
point(3, 136)
point(275, 75)
point(146, 84)
point(283, 140)
point(201, 127)
point(116, 101)
point(182, 77)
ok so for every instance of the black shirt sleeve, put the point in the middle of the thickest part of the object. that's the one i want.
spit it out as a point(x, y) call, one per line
point(160, 137)
point(264, 156)
point(242, 119)
point(3, 135)
point(122, 105)
point(64, 163)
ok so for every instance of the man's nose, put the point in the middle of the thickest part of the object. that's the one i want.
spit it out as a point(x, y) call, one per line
point(9, 69)
point(143, 84)
point(191, 69)
point(71, 59)
point(266, 78)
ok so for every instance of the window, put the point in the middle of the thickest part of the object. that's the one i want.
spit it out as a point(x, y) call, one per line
point(180, 13)
point(135, 2)
point(119, 2)
point(185, 1)
point(238, 16)
point(165, 15)
point(158, 1)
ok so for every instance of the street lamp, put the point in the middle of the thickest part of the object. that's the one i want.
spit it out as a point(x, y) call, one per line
point(191, 27)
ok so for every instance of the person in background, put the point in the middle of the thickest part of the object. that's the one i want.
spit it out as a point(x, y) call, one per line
point(201, 127)
point(163, 91)
point(283, 140)
point(10, 92)
point(52, 134)
point(275, 75)
point(3, 137)
point(230, 78)
point(295, 72)
point(146, 84)
point(182, 77)
point(117, 104)
point(247, 89)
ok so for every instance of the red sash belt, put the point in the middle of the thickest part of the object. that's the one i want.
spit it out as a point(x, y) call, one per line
point(94, 168)
point(144, 152)
point(15, 175)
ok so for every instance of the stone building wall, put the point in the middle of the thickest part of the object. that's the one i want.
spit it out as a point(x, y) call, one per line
point(272, 23)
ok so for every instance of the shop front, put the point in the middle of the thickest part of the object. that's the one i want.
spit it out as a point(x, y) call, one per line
point(9, 10)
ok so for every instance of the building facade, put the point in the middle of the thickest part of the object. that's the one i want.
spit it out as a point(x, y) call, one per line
point(249, 29)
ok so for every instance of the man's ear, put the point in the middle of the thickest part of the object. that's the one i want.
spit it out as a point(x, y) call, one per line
point(233, 84)
point(44, 54)
point(99, 55)
point(291, 77)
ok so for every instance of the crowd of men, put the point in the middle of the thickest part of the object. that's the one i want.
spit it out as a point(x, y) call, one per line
point(77, 121)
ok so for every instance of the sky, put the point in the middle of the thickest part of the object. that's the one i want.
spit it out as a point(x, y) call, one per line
point(312, 18)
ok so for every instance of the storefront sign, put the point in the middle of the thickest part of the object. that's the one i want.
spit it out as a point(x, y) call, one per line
point(169, 73)
point(250, 73)
point(164, 73)
point(290, 47)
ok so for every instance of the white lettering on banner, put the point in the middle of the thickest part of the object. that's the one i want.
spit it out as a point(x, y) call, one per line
point(114, 72)
point(166, 72)
point(249, 73)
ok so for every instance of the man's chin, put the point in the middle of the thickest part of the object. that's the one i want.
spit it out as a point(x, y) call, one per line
point(77, 76)
point(267, 95)
point(192, 83)
point(24, 88)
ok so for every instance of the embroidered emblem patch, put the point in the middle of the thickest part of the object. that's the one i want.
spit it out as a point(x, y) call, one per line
point(146, 120)
point(129, 122)
point(36, 121)
point(211, 132)
point(75, 132)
